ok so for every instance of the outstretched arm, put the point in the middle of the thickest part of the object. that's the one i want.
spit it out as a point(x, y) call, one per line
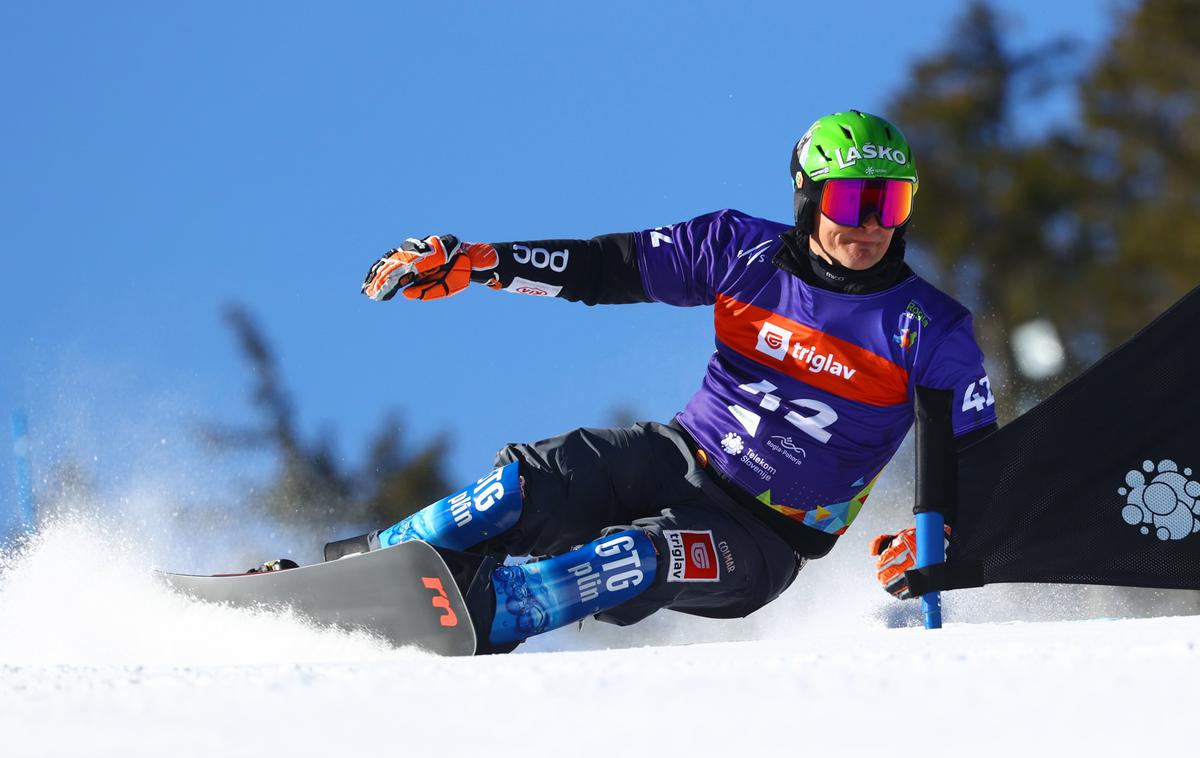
point(599, 270)
point(682, 264)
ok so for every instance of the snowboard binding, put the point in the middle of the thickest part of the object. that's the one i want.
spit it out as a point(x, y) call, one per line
point(278, 564)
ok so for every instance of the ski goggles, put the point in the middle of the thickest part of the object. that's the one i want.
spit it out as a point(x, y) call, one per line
point(850, 202)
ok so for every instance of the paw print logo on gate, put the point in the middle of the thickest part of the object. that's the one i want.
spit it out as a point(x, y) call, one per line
point(1166, 504)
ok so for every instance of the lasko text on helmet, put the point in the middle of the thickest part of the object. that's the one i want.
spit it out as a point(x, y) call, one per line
point(869, 151)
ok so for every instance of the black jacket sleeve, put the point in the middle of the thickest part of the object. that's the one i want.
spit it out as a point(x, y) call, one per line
point(602, 270)
point(962, 441)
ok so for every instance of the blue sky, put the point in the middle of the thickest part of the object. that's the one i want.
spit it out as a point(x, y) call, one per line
point(163, 159)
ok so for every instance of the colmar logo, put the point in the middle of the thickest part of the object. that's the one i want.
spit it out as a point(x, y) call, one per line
point(727, 554)
point(692, 556)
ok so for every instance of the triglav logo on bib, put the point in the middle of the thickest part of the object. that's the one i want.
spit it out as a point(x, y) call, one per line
point(774, 341)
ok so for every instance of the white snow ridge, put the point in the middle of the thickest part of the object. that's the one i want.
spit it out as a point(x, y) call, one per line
point(97, 659)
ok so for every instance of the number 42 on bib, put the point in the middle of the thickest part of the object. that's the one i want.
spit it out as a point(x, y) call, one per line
point(977, 401)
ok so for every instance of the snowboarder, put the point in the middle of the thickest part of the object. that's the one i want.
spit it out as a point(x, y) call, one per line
point(822, 331)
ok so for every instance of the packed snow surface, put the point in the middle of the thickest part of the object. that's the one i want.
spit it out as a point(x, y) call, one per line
point(98, 659)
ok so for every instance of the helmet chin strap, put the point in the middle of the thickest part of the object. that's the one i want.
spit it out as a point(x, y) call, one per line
point(805, 203)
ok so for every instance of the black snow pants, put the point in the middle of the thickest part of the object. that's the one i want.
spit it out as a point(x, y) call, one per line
point(714, 558)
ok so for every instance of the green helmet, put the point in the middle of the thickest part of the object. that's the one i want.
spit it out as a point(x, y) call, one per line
point(849, 145)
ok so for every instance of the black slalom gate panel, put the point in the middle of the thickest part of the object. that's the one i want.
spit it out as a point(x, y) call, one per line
point(1098, 484)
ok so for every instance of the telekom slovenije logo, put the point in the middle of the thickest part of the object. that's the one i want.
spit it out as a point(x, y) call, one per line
point(732, 443)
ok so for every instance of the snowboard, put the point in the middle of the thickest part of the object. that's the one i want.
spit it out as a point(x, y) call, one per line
point(406, 594)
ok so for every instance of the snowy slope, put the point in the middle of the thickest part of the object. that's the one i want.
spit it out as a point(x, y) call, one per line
point(96, 659)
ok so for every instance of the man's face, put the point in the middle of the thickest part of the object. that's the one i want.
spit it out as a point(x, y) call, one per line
point(855, 247)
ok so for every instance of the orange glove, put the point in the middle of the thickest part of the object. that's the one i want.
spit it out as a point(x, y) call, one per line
point(434, 267)
point(895, 554)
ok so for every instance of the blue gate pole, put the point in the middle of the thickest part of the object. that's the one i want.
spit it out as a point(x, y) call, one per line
point(25, 506)
point(936, 485)
point(931, 549)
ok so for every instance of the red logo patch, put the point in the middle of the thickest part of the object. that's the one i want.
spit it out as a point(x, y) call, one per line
point(692, 557)
point(441, 600)
point(809, 355)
